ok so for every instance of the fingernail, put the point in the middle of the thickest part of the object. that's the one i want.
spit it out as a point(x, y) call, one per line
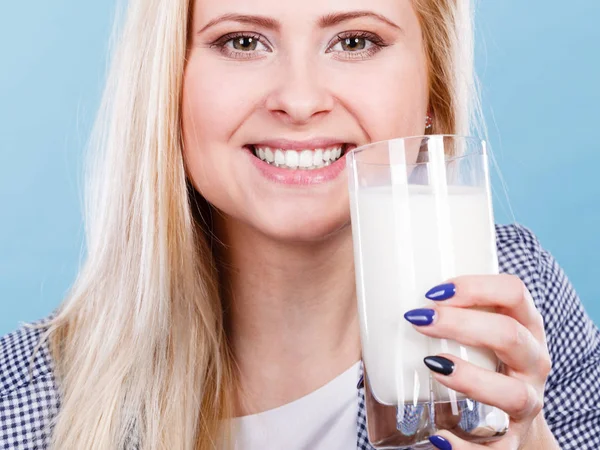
point(439, 364)
point(420, 317)
point(441, 292)
point(440, 442)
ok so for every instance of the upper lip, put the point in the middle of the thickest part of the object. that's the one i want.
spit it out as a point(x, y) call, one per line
point(309, 144)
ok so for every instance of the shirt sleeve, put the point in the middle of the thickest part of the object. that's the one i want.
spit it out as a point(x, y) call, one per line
point(572, 396)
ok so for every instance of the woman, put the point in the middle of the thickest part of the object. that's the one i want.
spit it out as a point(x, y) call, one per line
point(217, 286)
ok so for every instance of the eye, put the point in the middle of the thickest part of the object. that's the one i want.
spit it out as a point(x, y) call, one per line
point(242, 45)
point(356, 45)
point(246, 43)
point(352, 44)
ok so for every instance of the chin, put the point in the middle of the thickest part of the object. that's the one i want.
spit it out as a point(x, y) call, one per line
point(303, 228)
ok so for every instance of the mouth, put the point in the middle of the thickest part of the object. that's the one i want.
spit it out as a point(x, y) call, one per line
point(300, 158)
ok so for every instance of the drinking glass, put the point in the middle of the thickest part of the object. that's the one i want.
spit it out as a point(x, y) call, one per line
point(421, 214)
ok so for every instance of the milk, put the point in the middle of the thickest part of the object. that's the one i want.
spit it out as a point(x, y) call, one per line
point(408, 240)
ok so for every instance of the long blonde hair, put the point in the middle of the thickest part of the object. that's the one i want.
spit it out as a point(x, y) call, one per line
point(140, 347)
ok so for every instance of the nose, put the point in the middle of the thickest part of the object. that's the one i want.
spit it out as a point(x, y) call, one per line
point(299, 93)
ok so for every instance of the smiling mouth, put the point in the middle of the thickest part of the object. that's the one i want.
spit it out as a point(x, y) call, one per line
point(307, 159)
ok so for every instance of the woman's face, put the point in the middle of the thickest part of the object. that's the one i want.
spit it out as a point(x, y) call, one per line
point(296, 86)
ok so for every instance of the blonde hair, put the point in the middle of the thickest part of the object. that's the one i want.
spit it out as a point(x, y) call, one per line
point(140, 346)
point(448, 39)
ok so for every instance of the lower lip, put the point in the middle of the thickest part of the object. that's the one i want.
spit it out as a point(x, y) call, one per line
point(298, 177)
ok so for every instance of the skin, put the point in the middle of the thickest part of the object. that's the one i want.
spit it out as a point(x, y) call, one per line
point(287, 258)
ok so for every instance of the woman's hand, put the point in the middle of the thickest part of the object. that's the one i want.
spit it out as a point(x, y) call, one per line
point(515, 332)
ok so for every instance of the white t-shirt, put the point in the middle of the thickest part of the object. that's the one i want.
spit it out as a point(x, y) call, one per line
point(325, 419)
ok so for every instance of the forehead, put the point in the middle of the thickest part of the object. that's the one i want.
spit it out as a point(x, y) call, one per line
point(304, 11)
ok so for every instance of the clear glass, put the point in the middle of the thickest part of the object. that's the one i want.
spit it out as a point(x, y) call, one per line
point(421, 214)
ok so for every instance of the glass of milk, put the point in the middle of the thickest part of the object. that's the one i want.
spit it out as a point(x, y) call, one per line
point(421, 214)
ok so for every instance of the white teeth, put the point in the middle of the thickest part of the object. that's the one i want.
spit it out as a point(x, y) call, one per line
point(318, 157)
point(279, 157)
point(269, 155)
point(306, 159)
point(292, 159)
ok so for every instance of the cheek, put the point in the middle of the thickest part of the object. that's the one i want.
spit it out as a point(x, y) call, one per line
point(388, 99)
point(213, 102)
point(204, 109)
point(214, 105)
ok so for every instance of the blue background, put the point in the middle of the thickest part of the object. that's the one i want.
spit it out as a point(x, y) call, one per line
point(539, 67)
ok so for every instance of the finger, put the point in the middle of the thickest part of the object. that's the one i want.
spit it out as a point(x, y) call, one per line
point(445, 440)
point(507, 294)
point(514, 396)
point(514, 344)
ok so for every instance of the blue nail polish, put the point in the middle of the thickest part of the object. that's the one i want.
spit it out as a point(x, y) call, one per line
point(439, 365)
point(420, 317)
point(442, 292)
point(440, 442)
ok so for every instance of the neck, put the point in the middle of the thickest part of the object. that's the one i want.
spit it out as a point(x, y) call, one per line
point(291, 313)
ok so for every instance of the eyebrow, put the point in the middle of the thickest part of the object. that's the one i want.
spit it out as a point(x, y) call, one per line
point(331, 20)
point(261, 21)
point(326, 21)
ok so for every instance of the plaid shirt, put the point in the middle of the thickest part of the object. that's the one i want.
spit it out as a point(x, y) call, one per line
point(30, 400)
